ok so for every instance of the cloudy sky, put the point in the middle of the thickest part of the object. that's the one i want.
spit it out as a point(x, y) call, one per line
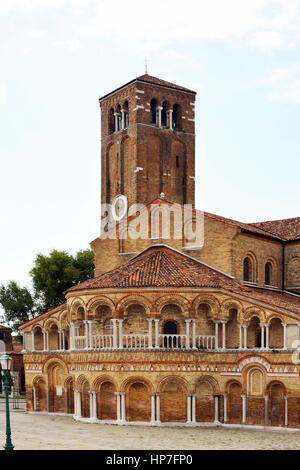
point(58, 56)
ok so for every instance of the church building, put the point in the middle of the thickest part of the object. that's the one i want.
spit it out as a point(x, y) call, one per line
point(170, 331)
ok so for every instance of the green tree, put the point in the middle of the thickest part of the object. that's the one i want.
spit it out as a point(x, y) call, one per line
point(17, 303)
point(52, 275)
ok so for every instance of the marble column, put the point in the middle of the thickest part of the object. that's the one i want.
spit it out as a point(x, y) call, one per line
point(262, 335)
point(159, 110)
point(194, 397)
point(189, 408)
point(225, 395)
point(266, 410)
point(34, 398)
point(123, 408)
point(245, 337)
point(156, 321)
point(115, 333)
point(157, 408)
point(286, 412)
point(118, 406)
point(153, 406)
point(187, 344)
point(121, 334)
point(194, 323)
point(66, 401)
point(217, 334)
point(170, 118)
point(91, 404)
point(150, 346)
point(244, 408)
point(267, 325)
point(284, 335)
point(223, 334)
point(216, 400)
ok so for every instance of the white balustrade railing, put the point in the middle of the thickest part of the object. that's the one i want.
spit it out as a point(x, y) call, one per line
point(206, 342)
point(135, 341)
point(141, 342)
point(102, 341)
point(172, 341)
point(80, 342)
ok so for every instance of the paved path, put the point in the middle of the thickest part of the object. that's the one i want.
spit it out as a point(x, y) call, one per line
point(55, 432)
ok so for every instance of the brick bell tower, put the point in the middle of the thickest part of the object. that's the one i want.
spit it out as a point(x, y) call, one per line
point(148, 142)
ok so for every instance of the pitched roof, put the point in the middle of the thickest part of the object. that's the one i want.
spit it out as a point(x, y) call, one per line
point(159, 266)
point(157, 81)
point(252, 228)
point(163, 266)
point(288, 229)
point(153, 81)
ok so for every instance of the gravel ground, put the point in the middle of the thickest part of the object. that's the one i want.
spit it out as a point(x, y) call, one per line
point(36, 432)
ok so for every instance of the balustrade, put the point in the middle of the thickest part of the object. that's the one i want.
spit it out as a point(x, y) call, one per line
point(135, 341)
point(102, 342)
point(206, 342)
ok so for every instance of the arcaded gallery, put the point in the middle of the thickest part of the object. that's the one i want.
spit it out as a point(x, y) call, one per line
point(170, 332)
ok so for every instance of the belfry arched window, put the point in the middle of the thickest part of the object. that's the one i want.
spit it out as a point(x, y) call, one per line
point(164, 118)
point(176, 116)
point(111, 121)
point(119, 118)
point(126, 114)
point(153, 112)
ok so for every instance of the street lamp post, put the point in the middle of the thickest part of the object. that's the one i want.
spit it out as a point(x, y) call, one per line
point(5, 365)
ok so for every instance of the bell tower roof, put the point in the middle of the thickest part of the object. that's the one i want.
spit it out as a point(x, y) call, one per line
point(152, 81)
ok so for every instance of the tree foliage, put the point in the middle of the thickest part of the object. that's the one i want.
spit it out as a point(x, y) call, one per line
point(17, 303)
point(52, 275)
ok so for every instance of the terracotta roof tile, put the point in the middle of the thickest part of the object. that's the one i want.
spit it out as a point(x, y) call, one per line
point(162, 266)
point(288, 229)
point(157, 81)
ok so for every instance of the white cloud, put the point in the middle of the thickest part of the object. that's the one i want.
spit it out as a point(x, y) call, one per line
point(265, 24)
point(271, 40)
point(284, 85)
point(289, 95)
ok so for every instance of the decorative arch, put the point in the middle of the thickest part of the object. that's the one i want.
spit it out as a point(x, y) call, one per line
point(234, 390)
point(63, 320)
point(49, 322)
point(37, 379)
point(253, 312)
point(130, 380)
point(175, 378)
point(209, 300)
point(277, 392)
point(138, 399)
point(231, 304)
point(136, 299)
point(173, 299)
point(173, 403)
point(205, 388)
point(210, 380)
point(55, 360)
point(106, 398)
point(98, 381)
point(75, 305)
point(80, 381)
point(98, 301)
